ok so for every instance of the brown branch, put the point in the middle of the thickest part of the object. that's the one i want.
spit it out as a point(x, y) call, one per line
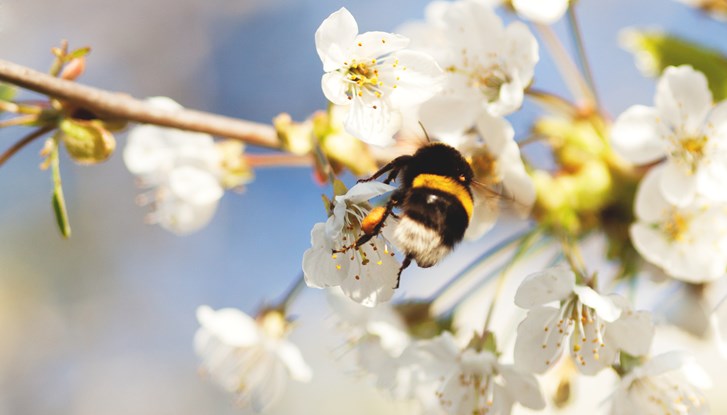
point(22, 143)
point(119, 105)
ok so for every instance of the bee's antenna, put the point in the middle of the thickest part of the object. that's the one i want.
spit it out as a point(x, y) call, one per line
point(429, 140)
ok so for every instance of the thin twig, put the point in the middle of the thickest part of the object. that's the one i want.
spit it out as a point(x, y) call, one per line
point(278, 160)
point(569, 71)
point(118, 105)
point(22, 143)
point(577, 36)
point(22, 120)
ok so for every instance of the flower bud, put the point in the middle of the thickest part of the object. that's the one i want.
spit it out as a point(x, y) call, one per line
point(87, 142)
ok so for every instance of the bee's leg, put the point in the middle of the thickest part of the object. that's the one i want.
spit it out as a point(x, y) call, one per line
point(393, 202)
point(406, 263)
point(394, 165)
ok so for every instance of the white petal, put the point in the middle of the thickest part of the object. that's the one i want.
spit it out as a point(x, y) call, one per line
point(362, 192)
point(334, 87)
point(195, 186)
point(540, 328)
point(268, 381)
point(230, 325)
point(712, 179)
point(637, 135)
point(552, 284)
point(665, 362)
point(518, 183)
point(521, 51)
point(650, 205)
point(523, 387)
point(484, 214)
point(376, 44)
point(588, 354)
point(417, 78)
point(321, 267)
point(146, 152)
point(650, 243)
point(290, 355)
point(683, 98)
point(181, 217)
point(375, 126)
point(632, 333)
point(510, 98)
point(496, 132)
point(604, 306)
point(376, 279)
point(541, 11)
point(337, 33)
point(449, 114)
point(677, 186)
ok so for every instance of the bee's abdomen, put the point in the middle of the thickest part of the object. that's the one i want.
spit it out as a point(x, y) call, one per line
point(433, 222)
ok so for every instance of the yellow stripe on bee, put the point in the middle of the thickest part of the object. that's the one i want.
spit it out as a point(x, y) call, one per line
point(447, 185)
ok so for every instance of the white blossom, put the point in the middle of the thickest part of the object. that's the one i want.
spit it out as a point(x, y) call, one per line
point(684, 127)
point(666, 384)
point(541, 11)
point(374, 74)
point(367, 274)
point(470, 381)
point(689, 243)
point(592, 326)
point(488, 65)
point(251, 358)
point(499, 172)
point(182, 167)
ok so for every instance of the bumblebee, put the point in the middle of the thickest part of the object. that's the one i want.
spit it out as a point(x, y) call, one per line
point(435, 201)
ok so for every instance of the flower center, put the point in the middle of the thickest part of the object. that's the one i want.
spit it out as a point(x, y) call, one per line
point(676, 226)
point(363, 77)
point(484, 167)
point(690, 151)
point(489, 81)
point(273, 323)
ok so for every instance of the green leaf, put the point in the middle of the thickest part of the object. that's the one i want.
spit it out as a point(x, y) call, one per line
point(7, 92)
point(78, 53)
point(59, 203)
point(654, 51)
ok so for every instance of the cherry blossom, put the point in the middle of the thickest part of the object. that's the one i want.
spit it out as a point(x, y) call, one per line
point(593, 327)
point(367, 274)
point(251, 358)
point(666, 384)
point(689, 243)
point(684, 127)
point(182, 167)
point(488, 65)
point(374, 74)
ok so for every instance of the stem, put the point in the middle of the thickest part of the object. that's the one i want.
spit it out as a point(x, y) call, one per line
point(443, 296)
point(522, 248)
point(552, 101)
point(278, 160)
point(568, 70)
point(7, 106)
point(17, 121)
point(291, 294)
point(577, 36)
point(118, 105)
point(22, 143)
point(575, 259)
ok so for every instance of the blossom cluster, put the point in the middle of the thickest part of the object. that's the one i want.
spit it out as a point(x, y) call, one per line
point(458, 74)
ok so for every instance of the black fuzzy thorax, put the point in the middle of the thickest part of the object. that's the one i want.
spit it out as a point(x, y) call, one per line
point(440, 159)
